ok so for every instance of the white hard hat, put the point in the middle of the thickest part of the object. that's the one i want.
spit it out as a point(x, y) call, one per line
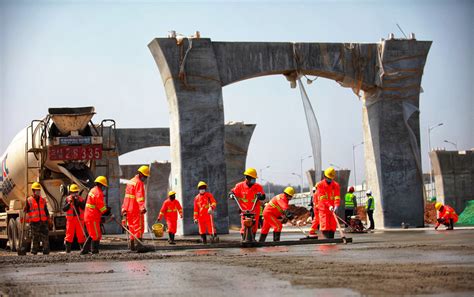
point(369, 192)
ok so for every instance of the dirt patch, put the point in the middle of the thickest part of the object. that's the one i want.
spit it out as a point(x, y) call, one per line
point(430, 213)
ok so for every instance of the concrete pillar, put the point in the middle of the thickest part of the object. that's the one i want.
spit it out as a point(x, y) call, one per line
point(392, 133)
point(196, 124)
point(454, 177)
point(237, 140)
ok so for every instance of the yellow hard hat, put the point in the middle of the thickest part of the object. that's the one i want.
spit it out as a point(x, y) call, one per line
point(101, 180)
point(330, 173)
point(289, 191)
point(36, 186)
point(438, 205)
point(73, 188)
point(171, 193)
point(201, 184)
point(145, 170)
point(252, 172)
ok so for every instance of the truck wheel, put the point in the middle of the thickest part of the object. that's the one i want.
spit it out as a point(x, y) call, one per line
point(20, 241)
point(11, 232)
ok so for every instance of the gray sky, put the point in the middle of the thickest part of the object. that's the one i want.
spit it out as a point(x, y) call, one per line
point(80, 53)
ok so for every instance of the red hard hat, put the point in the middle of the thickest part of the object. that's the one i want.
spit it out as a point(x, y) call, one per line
point(351, 189)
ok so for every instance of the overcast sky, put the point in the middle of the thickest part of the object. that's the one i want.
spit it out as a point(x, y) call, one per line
point(81, 53)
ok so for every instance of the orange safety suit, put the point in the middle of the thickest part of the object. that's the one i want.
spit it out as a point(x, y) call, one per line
point(74, 224)
point(272, 212)
point(246, 197)
point(315, 222)
point(328, 195)
point(447, 214)
point(202, 203)
point(95, 207)
point(36, 211)
point(170, 210)
point(134, 205)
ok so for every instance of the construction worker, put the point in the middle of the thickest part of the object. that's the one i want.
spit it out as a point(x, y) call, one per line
point(95, 208)
point(447, 216)
point(369, 208)
point(350, 204)
point(133, 207)
point(249, 194)
point(315, 216)
point(170, 209)
point(204, 206)
point(274, 210)
point(328, 198)
point(74, 209)
point(37, 215)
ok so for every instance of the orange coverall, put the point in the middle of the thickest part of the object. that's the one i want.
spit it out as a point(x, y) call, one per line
point(328, 195)
point(134, 204)
point(447, 213)
point(272, 212)
point(246, 196)
point(202, 203)
point(75, 225)
point(170, 210)
point(95, 207)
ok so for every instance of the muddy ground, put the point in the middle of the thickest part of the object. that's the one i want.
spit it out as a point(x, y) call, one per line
point(395, 262)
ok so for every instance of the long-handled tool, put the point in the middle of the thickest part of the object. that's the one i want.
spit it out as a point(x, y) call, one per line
point(80, 224)
point(363, 228)
point(249, 220)
point(339, 228)
point(129, 232)
point(214, 237)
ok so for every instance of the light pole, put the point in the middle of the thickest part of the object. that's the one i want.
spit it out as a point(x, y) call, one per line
point(354, 161)
point(429, 158)
point(301, 167)
point(296, 174)
point(453, 143)
point(261, 177)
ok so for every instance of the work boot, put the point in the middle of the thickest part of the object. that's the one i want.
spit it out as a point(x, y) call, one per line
point(131, 245)
point(86, 248)
point(204, 238)
point(451, 225)
point(68, 247)
point(171, 240)
point(262, 237)
point(276, 236)
point(242, 235)
point(95, 246)
point(328, 234)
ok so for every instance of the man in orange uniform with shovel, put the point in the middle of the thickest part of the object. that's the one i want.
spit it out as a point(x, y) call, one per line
point(204, 206)
point(74, 209)
point(328, 197)
point(276, 208)
point(133, 207)
point(170, 209)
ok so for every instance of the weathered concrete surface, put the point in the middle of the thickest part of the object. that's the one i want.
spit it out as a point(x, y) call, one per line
point(237, 140)
point(131, 139)
point(389, 73)
point(454, 177)
point(157, 187)
point(408, 262)
point(392, 133)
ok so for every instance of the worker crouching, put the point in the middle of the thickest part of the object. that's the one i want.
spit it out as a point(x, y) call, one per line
point(447, 216)
point(169, 210)
point(274, 211)
point(204, 206)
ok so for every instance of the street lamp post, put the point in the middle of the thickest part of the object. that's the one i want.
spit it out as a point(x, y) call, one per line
point(301, 167)
point(429, 145)
point(354, 161)
point(261, 177)
point(453, 143)
point(296, 174)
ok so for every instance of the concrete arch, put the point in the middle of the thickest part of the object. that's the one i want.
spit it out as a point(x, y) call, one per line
point(389, 74)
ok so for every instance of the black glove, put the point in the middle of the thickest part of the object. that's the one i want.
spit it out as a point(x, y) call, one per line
point(260, 196)
point(107, 212)
point(289, 215)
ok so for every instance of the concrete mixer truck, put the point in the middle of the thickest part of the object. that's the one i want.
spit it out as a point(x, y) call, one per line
point(63, 148)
